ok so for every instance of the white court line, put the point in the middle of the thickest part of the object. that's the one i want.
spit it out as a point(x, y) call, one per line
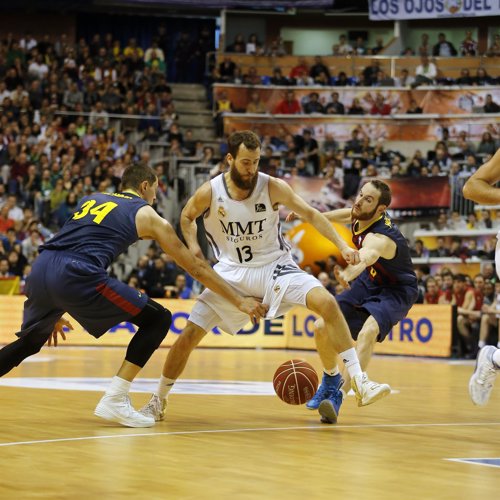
point(257, 429)
point(470, 461)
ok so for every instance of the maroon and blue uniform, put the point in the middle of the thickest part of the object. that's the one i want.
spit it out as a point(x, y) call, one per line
point(387, 289)
point(70, 274)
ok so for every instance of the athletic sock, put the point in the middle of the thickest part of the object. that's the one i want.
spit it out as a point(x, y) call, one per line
point(496, 359)
point(164, 386)
point(481, 344)
point(118, 386)
point(351, 362)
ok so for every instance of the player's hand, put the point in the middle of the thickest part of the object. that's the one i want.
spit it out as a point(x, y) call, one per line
point(255, 309)
point(58, 328)
point(291, 217)
point(340, 277)
point(350, 255)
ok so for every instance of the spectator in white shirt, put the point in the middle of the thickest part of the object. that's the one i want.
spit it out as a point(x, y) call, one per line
point(38, 69)
point(154, 50)
point(426, 72)
point(343, 48)
point(28, 42)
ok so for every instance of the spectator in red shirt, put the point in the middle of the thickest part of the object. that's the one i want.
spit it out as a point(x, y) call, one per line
point(380, 107)
point(300, 69)
point(445, 294)
point(5, 222)
point(289, 105)
point(433, 293)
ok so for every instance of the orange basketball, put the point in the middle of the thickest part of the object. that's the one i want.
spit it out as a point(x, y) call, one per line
point(308, 245)
point(295, 382)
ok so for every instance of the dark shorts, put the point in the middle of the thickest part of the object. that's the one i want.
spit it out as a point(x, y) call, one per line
point(60, 282)
point(387, 305)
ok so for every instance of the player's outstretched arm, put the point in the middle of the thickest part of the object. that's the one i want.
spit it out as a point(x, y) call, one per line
point(374, 247)
point(281, 193)
point(480, 186)
point(198, 204)
point(151, 226)
point(341, 215)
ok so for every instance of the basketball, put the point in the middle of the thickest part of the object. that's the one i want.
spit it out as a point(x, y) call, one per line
point(295, 382)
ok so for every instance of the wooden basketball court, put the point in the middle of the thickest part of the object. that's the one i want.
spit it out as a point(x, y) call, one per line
point(220, 441)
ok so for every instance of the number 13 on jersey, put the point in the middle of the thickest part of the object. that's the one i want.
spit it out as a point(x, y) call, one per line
point(244, 253)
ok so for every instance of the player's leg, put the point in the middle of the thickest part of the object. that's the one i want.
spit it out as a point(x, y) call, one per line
point(331, 379)
point(321, 302)
point(486, 370)
point(14, 353)
point(365, 343)
point(487, 321)
point(153, 322)
point(355, 317)
point(202, 319)
point(39, 318)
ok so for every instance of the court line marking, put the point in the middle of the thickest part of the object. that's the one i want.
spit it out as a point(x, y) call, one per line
point(474, 461)
point(257, 429)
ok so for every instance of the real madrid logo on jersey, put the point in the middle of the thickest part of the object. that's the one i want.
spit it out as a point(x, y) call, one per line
point(221, 211)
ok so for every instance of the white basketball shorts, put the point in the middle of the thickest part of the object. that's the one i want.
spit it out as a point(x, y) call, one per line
point(280, 285)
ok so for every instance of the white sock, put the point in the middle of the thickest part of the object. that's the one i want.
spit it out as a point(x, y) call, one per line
point(118, 386)
point(481, 344)
point(331, 373)
point(164, 386)
point(351, 362)
point(496, 358)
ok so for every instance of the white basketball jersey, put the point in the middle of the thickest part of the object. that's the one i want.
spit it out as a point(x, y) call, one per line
point(247, 232)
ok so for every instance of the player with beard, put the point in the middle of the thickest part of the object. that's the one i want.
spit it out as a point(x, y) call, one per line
point(241, 218)
point(382, 293)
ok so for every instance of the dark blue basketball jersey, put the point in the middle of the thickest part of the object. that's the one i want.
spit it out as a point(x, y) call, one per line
point(393, 272)
point(101, 229)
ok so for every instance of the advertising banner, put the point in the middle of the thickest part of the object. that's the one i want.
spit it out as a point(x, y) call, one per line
point(383, 10)
point(425, 332)
point(394, 128)
point(436, 100)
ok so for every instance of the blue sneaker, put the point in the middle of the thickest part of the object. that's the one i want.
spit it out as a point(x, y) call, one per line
point(328, 384)
point(329, 408)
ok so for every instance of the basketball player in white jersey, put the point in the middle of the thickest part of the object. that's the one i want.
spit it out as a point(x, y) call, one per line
point(241, 217)
point(480, 187)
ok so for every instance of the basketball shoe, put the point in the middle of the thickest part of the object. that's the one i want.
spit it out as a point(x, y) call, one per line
point(119, 409)
point(329, 408)
point(330, 383)
point(155, 408)
point(484, 375)
point(366, 391)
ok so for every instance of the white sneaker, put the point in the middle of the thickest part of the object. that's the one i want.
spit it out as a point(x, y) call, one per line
point(119, 409)
point(366, 391)
point(155, 408)
point(483, 378)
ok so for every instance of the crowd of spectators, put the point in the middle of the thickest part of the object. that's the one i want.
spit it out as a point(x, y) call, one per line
point(72, 118)
point(318, 73)
point(59, 102)
point(344, 47)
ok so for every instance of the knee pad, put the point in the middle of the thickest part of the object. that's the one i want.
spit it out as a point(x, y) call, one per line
point(153, 322)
